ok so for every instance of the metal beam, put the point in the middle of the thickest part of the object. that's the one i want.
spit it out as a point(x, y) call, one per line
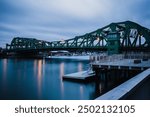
point(132, 35)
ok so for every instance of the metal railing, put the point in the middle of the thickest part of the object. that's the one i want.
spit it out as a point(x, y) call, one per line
point(99, 58)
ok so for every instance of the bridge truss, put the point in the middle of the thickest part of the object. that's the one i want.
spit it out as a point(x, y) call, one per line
point(132, 36)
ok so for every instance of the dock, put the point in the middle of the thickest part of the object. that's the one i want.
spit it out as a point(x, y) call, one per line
point(125, 89)
point(123, 64)
point(84, 75)
point(131, 71)
point(138, 61)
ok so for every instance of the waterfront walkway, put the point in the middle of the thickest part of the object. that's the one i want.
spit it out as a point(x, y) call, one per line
point(124, 90)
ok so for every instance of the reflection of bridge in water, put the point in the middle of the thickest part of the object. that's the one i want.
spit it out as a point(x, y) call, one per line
point(115, 37)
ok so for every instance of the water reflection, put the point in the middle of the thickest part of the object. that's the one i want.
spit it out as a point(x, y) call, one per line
point(61, 81)
point(35, 67)
point(39, 69)
point(61, 70)
point(80, 67)
point(100, 88)
point(81, 92)
point(5, 62)
point(42, 79)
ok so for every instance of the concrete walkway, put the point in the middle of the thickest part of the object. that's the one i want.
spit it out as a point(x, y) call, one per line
point(125, 88)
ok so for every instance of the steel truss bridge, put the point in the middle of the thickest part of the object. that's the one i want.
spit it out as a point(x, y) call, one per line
point(130, 35)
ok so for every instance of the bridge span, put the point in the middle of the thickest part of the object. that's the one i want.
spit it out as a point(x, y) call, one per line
point(114, 38)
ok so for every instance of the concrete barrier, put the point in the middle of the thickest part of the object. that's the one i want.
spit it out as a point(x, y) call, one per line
point(125, 88)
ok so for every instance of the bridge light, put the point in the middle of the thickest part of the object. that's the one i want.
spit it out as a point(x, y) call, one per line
point(97, 38)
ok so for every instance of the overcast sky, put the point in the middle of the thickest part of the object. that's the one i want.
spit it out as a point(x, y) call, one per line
point(63, 19)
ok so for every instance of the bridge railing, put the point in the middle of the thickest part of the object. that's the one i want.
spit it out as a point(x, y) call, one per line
point(100, 58)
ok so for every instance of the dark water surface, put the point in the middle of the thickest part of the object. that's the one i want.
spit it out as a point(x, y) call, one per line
point(42, 79)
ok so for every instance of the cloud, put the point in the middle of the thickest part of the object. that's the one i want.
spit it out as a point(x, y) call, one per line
point(56, 19)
